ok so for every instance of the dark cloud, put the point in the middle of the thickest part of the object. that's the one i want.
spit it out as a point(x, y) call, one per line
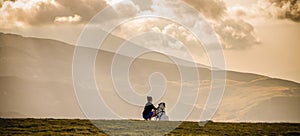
point(285, 9)
point(278, 9)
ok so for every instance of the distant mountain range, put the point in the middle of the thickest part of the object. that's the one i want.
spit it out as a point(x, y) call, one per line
point(36, 81)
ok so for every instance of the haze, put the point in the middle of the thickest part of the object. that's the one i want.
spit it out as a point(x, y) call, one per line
point(260, 41)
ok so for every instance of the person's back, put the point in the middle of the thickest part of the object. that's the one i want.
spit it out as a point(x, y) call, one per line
point(148, 113)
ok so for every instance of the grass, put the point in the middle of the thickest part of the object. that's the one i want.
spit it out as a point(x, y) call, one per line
point(136, 127)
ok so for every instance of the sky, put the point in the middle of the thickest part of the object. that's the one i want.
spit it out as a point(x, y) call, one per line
point(258, 36)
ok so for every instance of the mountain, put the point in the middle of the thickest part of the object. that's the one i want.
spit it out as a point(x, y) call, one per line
point(36, 81)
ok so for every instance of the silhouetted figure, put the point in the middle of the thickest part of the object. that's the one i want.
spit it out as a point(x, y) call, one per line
point(149, 109)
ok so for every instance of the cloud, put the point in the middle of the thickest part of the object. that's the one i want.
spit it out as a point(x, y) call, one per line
point(178, 32)
point(175, 45)
point(233, 33)
point(285, 9)
point(209, 8)
point(68, 19)
point(279, 9)
point(245, 12)
point(236, 34)
point(143, 5)
point(20, 13)
point(127, 7)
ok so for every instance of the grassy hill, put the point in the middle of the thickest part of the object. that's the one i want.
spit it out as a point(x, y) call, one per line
point(137, 127)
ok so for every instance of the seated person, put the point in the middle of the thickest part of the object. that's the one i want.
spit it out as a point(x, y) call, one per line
point(148, 113)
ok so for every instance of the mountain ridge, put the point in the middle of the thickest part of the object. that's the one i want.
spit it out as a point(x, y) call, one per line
point(70, 45)
point(36, 80)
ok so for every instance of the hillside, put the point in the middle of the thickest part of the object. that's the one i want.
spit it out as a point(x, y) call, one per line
point(36, 81)
point(135, 127)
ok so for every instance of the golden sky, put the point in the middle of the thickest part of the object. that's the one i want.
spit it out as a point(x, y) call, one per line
point(258, 36)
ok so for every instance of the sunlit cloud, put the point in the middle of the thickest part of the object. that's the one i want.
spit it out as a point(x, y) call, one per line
point(47, 12)
point(23, 4)
point(230, 23)
point(236, 34)
point(68, 19)
point(233, 33)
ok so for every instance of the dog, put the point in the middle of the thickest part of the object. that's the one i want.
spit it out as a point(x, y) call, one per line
point(161, 114)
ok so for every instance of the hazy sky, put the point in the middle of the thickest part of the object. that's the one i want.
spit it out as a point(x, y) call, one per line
point(258, 36)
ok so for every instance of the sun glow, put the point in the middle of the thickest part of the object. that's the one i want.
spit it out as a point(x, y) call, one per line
point(112, 2)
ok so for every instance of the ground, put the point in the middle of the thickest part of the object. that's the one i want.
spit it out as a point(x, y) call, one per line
point(138, 127)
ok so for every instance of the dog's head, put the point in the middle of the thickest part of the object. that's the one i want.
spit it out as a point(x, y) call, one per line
point(162, 105)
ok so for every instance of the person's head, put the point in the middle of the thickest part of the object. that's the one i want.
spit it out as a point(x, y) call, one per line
point(149, 98)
